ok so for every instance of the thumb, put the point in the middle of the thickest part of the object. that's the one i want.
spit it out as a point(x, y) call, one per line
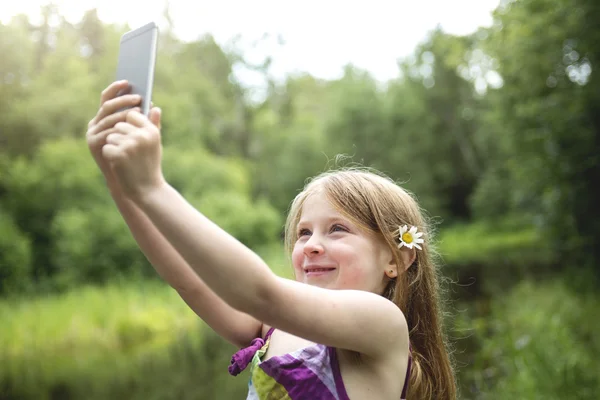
point(155, 114)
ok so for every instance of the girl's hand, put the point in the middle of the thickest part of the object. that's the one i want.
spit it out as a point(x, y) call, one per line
point(134, 152)
point(104, 121)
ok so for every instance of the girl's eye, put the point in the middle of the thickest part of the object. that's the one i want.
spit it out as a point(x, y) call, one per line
point(338, 228)
point(303, 232)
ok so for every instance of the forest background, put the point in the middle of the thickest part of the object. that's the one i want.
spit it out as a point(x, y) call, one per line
point(507, 171)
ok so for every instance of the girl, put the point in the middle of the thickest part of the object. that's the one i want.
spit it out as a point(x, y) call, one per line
point(362, 259)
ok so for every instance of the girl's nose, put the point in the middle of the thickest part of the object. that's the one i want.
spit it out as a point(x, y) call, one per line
point(313, 246)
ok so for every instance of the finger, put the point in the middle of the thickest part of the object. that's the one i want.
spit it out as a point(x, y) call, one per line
point(112, 152)
point(108, 122)
point(125, 128)
point(113, 105)
point(138, 119)
point(112, 90)
point(116, 138)
point(155, 116)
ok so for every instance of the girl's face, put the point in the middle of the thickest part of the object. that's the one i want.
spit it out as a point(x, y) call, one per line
point(332, 252)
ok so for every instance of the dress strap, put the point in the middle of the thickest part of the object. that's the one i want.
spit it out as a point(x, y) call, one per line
point(269, 333)
point(337, 375)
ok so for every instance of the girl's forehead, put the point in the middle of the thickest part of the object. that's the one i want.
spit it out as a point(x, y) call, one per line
point(317, 205)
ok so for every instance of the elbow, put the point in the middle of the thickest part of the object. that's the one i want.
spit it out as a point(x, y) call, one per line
point(260, 298)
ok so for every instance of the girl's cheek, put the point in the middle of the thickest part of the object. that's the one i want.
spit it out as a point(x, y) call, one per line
point(297, 257)
point(352, 278)
point(352, 274)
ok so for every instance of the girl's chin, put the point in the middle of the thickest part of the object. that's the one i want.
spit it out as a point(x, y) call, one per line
point(322, 283)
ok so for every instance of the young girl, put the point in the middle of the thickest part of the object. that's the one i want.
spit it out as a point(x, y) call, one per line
point(360, 321)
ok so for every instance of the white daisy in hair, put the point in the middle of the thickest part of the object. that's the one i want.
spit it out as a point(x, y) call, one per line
point(409, 238)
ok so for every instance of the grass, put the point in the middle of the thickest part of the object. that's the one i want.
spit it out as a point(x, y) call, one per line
point(120, 316)
point(55, 339)
point(538, 342)
point(93, 320)
point(120, 340)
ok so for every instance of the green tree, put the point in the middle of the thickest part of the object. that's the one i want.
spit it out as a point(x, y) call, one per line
point(549, 106)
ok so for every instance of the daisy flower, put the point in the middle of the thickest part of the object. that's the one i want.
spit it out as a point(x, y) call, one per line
point(409, 238)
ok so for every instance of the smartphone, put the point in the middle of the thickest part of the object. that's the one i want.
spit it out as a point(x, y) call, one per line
point(137, 58)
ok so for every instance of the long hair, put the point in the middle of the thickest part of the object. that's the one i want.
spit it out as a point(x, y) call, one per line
point(377, 204)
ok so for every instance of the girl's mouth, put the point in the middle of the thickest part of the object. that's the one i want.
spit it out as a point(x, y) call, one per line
point(317, 271)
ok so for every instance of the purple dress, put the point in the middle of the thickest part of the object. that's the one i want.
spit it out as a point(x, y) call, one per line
point(311, 373)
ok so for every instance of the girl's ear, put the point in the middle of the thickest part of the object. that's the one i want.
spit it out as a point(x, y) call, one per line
point(408, 257)
point(389, 262)
point(392, 270)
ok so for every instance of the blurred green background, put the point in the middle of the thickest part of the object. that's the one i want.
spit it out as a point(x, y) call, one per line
point(508, 172)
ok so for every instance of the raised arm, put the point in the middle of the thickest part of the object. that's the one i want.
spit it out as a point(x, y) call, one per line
point(237, 327)
point(355, 320)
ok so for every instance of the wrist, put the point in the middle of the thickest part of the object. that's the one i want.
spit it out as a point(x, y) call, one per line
point(113, 187)
point(152, 195)
point(109, 177)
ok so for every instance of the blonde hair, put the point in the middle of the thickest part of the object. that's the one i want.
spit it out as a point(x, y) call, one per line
point(377, 204)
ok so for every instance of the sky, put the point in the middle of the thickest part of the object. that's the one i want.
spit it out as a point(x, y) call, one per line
point(320, 36)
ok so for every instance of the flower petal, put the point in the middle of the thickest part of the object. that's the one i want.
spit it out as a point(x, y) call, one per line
point(418, 247)
point(413, 230)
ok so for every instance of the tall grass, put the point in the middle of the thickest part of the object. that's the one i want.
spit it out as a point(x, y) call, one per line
point(126, 340)
point(66, 343)
point(539, 341)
